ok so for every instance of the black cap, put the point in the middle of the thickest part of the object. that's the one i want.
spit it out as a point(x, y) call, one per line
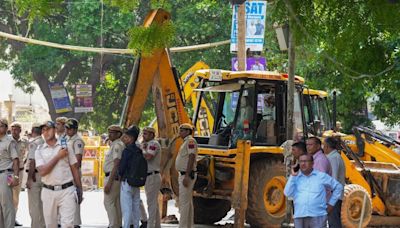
point(133, 131)
point(48, 123)
point(72, 123)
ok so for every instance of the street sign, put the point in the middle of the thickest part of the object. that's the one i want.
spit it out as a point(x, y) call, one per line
point(255, 25)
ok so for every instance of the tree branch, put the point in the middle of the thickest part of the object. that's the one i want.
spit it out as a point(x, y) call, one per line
point(66, 69)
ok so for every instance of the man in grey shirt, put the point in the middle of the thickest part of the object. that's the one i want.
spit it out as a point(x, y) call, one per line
point(338, 173)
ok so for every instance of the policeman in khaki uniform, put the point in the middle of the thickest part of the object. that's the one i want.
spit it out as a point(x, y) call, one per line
point(152, 153)
point(9, 176)
point(21, 147)
point(76, 145)
point(34, 182)
point(58, 168)
point(60, 127)
point(185, 164)
point(112, 183)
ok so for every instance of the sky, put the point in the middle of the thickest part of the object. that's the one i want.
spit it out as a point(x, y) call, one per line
point(7, 87)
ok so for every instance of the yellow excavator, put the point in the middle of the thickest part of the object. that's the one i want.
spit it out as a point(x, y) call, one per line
point(240, 159)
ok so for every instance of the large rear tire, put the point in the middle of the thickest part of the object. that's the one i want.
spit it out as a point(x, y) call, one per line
point(352, 206)
point(266, 201)
point(209, 211)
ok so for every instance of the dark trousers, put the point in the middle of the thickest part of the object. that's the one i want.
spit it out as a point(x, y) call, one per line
point(311, 222)
point(334, 217)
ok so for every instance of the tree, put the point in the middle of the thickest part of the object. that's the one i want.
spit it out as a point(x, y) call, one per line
point(75, 24)
point(350, 46)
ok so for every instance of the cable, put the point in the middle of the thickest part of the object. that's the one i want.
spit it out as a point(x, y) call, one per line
point(107, 50)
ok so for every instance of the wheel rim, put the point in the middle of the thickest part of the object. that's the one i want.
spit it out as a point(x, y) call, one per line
point(274, 199)
point(355, 208)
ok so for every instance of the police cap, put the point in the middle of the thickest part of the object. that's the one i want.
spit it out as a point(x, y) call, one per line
point(16, 124)
point(186, 126)
point(150, 129)
point(72, 123)
point(114, 128)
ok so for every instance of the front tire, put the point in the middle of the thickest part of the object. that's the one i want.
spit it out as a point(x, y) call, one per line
point(266, 201)
point(352, 206)
point(209, 211)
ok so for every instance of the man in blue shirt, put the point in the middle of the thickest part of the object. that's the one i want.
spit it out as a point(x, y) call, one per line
point(307, 188)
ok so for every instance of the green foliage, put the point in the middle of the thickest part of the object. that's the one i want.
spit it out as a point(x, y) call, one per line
point(38, 8)
point(145, 40)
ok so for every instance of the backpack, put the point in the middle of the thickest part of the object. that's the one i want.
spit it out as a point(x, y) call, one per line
point(137, 173)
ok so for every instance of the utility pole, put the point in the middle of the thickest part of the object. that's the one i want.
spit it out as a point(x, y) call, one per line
point(241, 54)
point(291, 87)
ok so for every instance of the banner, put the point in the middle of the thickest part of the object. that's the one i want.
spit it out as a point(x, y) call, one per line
point(60, 98)
point(83, 99)
point(252, 63)
point(255, 25)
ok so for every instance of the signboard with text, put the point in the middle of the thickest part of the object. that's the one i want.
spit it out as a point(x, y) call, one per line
point(83, 99)
point(252, 63)
point(60, 98)
point(255, 25)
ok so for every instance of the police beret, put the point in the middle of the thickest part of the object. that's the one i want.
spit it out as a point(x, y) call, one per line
point(114, 128)
point(149, 129)
point(4, 121)
point(49, 123)
point(61, 119)
point(133, 131)
point(72, 123)
point(16, 124)
point(186, 126)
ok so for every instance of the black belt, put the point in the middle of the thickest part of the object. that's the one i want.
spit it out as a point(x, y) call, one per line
point(5, 170)
point(151, 173)
point(191, 174)
point(27, 170)
point(58, 187)
point(20, 169)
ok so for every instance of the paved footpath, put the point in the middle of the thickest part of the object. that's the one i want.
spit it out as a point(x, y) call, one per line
point(94, 215)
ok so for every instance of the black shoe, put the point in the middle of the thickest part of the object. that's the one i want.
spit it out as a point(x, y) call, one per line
point(143, 225)
point(17, 223)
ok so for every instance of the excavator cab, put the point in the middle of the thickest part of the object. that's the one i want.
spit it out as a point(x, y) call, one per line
point(317, 115)
point(247, 109)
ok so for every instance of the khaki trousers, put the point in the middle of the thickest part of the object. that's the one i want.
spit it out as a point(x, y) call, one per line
point(7, 210)
point(61, 203)
point(16, 190)
point(35, 204)
point(186, 203)
point(112, 204)
point(152, 188)
point(143, 213)
point(77, 216)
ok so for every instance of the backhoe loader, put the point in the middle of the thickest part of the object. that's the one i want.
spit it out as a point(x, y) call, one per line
point(240, 159)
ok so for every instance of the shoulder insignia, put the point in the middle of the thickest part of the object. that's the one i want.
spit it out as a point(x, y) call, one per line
point(80, 145)
point(153, 147)
point(191, 144)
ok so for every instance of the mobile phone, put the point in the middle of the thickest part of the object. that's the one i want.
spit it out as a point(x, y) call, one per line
point(63, 142)
point(296, 168)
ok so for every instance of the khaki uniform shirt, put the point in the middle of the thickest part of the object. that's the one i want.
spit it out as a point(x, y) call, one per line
point(154, 148)
point(115, 152)
point(61, 172)
point(189, 146)
point(8, 152)
point(75, 144)
point(22, 148)
point(33, 145)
